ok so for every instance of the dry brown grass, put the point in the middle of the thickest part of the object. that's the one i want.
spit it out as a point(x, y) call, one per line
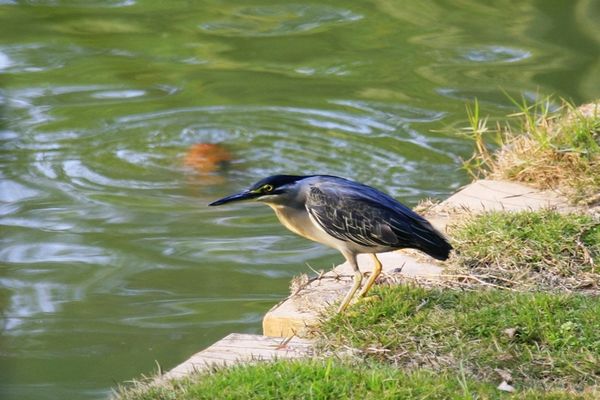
point(558, 150)
point(542, 250)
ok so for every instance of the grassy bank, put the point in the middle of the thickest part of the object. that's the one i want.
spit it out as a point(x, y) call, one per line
point(538, 341)
point(542, 250)
point(332, 379)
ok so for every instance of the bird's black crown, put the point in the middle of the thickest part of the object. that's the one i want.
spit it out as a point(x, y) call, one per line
point(277, 181)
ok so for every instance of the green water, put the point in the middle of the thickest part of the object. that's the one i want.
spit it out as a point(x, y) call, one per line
point(110, 258)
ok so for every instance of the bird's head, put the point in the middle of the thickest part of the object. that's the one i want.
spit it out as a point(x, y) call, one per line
point(276, 189)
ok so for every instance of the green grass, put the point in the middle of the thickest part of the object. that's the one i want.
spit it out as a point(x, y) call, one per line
point(529, 250)
point(328, 379)
point(550, 150)
point(544, 341)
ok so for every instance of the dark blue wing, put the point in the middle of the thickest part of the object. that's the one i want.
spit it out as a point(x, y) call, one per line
point(357, 213)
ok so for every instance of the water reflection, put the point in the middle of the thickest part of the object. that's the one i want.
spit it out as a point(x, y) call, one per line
point(30, 299)
point(12, 192)
point(496, 54)
point(5, 61)
point(119, 94)
point(37, 57)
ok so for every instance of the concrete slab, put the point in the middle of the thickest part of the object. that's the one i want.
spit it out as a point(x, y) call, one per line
point(241, 348)
point(298, 314)
point(488, 195)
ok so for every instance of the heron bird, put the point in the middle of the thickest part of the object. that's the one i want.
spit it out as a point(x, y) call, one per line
point(349, 216)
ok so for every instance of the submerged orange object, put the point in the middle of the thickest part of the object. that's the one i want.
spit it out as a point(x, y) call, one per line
point(207, 157)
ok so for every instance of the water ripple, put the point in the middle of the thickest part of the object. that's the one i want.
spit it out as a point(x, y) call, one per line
point(168, 315)
point(279, 20)
point(12, 192)
point(82, 175)
point(32, 298)
point(56, 252)
point(349, 138)
point(495, 54)
point(78, 3)
point(37, 57)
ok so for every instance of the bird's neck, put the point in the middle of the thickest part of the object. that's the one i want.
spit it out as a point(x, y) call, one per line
point(291, 218)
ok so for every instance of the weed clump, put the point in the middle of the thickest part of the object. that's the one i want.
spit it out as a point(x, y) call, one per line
point(542, 250)
point(549, 149)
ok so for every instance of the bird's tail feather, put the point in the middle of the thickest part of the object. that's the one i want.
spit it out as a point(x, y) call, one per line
point(433, 243)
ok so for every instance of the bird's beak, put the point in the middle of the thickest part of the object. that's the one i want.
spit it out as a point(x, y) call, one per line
point(245, 195)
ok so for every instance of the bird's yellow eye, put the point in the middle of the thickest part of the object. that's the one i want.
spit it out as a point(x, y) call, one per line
point(267, 188)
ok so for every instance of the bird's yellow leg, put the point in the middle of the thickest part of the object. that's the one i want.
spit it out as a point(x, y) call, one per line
point(350, 294)
point(374, 275)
